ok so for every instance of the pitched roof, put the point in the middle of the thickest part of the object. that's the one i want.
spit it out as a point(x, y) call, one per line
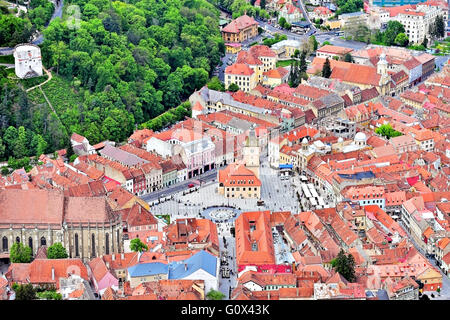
point(239, 24)
point(239, 69)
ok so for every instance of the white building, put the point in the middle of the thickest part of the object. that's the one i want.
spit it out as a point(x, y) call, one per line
point(27, 60)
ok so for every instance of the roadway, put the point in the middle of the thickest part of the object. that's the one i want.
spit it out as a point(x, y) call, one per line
point(168, 191)
point(40, 38)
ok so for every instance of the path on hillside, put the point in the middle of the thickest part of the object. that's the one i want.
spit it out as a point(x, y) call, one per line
point(51, 106)
point(50, 76)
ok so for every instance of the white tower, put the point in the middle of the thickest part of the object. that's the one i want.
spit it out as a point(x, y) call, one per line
point(251, 153)
point(27, 59)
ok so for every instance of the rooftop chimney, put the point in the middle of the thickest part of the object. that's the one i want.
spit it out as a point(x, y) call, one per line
point(122, 256)
point(53, 273)
point(113, 258)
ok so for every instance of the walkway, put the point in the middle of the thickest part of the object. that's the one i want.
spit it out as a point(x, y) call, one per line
point(49, 74)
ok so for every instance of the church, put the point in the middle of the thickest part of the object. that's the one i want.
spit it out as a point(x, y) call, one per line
point(86, 226)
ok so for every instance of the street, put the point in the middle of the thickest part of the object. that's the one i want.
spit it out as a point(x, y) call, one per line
point(203, 178)
point(40, 38)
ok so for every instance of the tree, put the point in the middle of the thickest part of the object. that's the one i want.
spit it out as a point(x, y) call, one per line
point(392, 30)
point(215, 295)
point(137, 245)
point(348, 58)
point(326, 70)
point(233, 87)
point(19, 253)
point(313, 43)
point(387, 131)
point(215, 84)
point(49, 295)
point(282, 22)
point(25, 292)
point(345, 265)
point(262, 4)
point(401, 40)
point(439, 28)
point(56, 251)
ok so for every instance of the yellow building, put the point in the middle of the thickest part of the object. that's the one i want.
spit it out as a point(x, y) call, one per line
point(240, 29)
point(431, 279)
point(260, 59)
point(241, 75)
point(233, 47)
point(237, 181)
point(275, 77)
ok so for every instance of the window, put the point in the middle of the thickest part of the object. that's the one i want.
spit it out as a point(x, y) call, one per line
point(43, 241)
point(107, 243)
point(30, 243)
point(77, 253)
point(17, 239)
point(93, 245)
point(5, 244)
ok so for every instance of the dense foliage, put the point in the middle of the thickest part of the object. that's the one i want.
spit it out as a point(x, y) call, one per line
point(56, 251)
point(137, 245)
point(349, 6)
point(326, 70)
point(387, 131)
point(298, 69)
point(19, 253)
point(24, 291)
point(389, 36)
point(241, 7)
point(215, 295)
point(49, 295)
point(345, 265)
point(277, 38)
point(14, 30)
point(127, 63)
point(437, 28)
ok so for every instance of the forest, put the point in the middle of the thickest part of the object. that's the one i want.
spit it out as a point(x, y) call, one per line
point(15, 30)
point(127, 63)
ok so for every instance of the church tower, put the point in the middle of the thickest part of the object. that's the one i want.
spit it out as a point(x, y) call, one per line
point(251, 152)
point(382, 69)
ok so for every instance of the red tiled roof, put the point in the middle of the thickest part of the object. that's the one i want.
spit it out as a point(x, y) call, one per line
point(239, 69)
point(239, 24)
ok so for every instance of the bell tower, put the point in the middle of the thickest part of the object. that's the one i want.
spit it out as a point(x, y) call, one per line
point(251, 153)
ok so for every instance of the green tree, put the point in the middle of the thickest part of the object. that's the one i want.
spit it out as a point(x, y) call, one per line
point(282, 22)
point(25, 292)
point(233, 87)
point(215, 84)
point(262, 4)
point(439, 27)
point(137, 245)
point(19, 253)
point(387, 131)
point(401, 40)
point(49, 295)
point(313, 43)
point(326, 70)
point(345, 265)
point(348, 58)
point(392, 30)
point(215, 295)
point(57, 251)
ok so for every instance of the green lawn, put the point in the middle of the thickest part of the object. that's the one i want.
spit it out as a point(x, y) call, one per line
point(284, 63)
point(7, 59)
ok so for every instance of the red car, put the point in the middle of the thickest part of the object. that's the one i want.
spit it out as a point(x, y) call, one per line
point(191, 185)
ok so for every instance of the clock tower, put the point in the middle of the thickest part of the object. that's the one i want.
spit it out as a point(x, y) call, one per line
point(251, 153)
